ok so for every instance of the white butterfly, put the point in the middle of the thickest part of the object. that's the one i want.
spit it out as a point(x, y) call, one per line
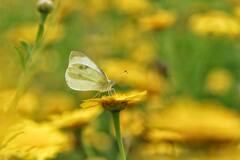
point(83, 74)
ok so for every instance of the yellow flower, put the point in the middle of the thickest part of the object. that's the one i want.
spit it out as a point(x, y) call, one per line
point(36, 141)
point(234, 2)
point(237, 12)
point(27, 33)
point(160, 20)
point(9, 65)
point(154, 150)
point(8, 129)
point(79, 117)
point(26, 106)
point(160, 135)
point(116, 102)
point(96, 139)
point(219, 81)
point(135, 75)
point(197, 121)
point(128, 127)
point(55, 103)
point(216, 23)
point(155, 102)
point(144, 52)
point(132, 6)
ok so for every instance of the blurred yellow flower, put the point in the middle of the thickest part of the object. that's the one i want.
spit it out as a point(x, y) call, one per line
point(36, 141)
point(132, 6)
point(144, 52)
point(160, 20)
point(216, 23)
point(237, 12)
point(161, 135)
point(9, 63)
point(8, 129)
point(129, 128)
point(79, 117)
point(197, 121)
point(27, 33)
point(155, 102)
point(220, 152)
point(135, 75)
point(209, 151)
point(96, 139)
point(26, 106)
point(117, 101)
point(234, 2)
point(219, 81)
point(154, 150)
point(55, 103)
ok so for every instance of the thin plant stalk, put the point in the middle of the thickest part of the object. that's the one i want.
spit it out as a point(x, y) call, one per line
point(116, 121)
point(26, 76)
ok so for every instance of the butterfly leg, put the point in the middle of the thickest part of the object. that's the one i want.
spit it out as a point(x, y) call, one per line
point(97, 95)
point(113, 91)
point(109, 92)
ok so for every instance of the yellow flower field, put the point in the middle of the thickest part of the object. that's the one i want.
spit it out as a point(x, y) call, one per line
point(120, 80)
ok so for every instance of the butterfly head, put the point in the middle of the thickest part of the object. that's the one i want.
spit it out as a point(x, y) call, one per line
point(110, 87)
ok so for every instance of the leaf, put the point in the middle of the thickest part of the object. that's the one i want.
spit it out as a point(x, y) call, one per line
point(26, 47)
point(21, 56)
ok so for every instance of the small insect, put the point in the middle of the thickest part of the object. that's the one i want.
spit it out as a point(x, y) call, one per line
point(83, 74)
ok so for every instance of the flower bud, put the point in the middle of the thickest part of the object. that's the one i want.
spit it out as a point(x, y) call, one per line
point(45, 6)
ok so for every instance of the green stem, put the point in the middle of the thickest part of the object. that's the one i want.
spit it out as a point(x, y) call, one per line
point(79, 146)
point(116, 121)
point(40, 30)
point(26, 76)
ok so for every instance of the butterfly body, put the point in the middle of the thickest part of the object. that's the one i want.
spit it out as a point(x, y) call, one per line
point(83, 74)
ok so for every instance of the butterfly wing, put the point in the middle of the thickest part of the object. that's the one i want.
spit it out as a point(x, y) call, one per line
point(83, 74)
point(78, 57)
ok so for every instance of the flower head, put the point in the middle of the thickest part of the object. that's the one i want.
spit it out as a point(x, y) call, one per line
point(26, 106)
point(95, 138)
point(197, 121)
point(76, 118)
point(36, 141)
point(130, 129)
point(45, 6)
point(215, 23)
point(219, 81)
point(162, 19)
point(131, 6)
point(116, 102)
